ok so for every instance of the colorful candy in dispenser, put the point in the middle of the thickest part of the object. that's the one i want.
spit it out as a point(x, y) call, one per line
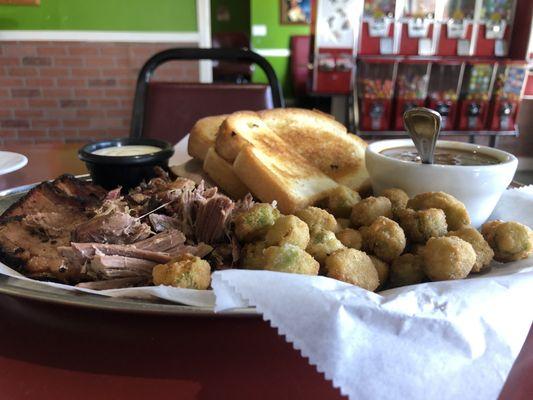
point(418, 28)
point(377, 33)
point(411, 89)
point(495, 25)
point(456, 28)
point(443, 91)
point(506, 99)
point(475, 96)
point(375, 89)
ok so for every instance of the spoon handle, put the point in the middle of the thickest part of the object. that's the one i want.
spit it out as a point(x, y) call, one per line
point(423, 125)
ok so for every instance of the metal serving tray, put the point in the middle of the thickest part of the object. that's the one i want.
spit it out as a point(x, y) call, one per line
point(35, 291)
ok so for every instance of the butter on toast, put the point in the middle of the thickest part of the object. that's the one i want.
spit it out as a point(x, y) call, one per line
point(322, 141)
point(202, 135)
point(222, 173)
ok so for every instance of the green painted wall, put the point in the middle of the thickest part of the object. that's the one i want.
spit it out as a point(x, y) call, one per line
point(105, 15)
point(239, 16)
point(267, 12)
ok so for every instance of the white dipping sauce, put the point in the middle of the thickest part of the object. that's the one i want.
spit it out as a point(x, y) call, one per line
point(128, 150)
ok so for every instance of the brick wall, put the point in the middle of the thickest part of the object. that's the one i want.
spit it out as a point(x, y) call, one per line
point(55, 91)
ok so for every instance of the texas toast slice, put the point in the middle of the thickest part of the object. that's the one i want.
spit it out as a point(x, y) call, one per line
point(268, 166)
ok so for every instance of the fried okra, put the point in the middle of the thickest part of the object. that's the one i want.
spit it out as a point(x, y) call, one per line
point(254, 223)
point(322, 244)
point(290, 258)
point(317, 218)
point(397, 197)
point(456, 214)
point(185, 271)
point(350, 238)
point(447, 258)
point(252, 256)
point(343, 223)
point(367, 210)
point(352, 266)
point(384, 238)
point(288, 229)
point(510, 241)
point(421, 225)
point(341, 200)
point(382, 269)
point(407, 270)
point(484, 253)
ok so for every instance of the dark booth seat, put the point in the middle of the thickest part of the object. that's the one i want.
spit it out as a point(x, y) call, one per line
point(173, 108)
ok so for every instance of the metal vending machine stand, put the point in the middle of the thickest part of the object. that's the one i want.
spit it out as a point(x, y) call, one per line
point(444, 87)
point(417, 25)
point(411, 88)
point(378, 28)
point(456, 28)
point(494, 27)
point(335, 31)
point(375, 89)
point(475, 95)
point(508, 90)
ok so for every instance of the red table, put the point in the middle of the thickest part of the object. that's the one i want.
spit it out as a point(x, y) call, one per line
point(59, 352)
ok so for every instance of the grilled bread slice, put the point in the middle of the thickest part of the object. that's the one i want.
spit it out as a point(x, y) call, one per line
point(270, 176)
point(268, 166)
point(222, 173)
point(322, 141)
point(202, 135)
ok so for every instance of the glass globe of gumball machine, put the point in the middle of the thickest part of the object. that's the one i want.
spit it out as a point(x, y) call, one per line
point(509, 85)
point(411, 88)
point(475, 95)
point(444, 86)
point(375, 86)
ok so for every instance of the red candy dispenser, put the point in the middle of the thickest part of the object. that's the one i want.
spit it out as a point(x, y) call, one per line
point(375, 86)
point(456, 28)
point(444, 86)
point(377, 32)
point(475, 95)
point(495, 25)
point(334, 37)
point(411, 88)
point(417, 28)
point(508, 89)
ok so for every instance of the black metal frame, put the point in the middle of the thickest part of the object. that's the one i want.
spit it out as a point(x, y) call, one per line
point(228, 54)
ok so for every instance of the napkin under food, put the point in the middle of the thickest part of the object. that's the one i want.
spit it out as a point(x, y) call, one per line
point(442, 340)
point(434, 340)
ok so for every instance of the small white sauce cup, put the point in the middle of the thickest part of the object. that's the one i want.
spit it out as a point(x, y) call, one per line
point(479, 187)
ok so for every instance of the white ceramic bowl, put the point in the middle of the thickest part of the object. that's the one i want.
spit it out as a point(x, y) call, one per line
point(478, 187)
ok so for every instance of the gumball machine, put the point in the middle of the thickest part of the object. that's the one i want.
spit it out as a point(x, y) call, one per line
point(509, 85)
point(475, 95)
point(377, 33)
point(375, 86)
point(411, 88)
point(495, 26)
point(334, 45)
point(417, 28)
point(444, 86)
point(456, 28)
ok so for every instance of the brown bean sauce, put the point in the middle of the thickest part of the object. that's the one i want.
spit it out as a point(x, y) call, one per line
point(443, 156)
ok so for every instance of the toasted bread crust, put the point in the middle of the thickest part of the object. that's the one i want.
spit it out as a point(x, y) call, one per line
point(203, 134)
point(222, 173)
point(293, 185)
point(322, 141)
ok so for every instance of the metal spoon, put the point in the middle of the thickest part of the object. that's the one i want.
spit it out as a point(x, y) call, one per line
point(423, 125)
